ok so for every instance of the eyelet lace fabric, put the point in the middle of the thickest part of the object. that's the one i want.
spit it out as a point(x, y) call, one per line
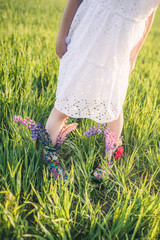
point(93, 73)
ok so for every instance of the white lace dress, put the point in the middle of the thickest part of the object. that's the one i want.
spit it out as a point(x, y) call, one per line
point(93, 73)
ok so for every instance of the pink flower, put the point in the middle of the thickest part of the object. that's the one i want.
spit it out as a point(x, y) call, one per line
point(64, 131)
point(26, 121)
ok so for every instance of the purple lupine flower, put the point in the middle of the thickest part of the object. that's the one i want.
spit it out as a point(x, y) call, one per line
point(94, 130)
point(32, 125)
point(34, 131)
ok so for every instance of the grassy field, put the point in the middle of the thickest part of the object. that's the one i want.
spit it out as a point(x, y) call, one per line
point(32, 206)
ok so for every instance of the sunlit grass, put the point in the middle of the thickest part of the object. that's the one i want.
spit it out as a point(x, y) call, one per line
point(32, 206)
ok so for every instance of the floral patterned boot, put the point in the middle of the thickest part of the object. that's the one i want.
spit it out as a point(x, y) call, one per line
point(112, 148)
point(100, 171)
point(51, 155)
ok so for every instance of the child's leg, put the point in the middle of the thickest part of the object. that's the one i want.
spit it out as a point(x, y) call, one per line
point(117, 125)
point(55, 123)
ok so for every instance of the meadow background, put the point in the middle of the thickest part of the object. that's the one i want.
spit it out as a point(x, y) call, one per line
point(32, 206)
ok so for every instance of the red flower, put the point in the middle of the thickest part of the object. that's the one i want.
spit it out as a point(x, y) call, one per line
point(119, 152)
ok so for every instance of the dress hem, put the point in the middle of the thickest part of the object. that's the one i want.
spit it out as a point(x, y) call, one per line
point(93, 119)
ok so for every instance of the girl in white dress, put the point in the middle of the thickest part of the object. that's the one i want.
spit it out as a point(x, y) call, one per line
point(98, 43)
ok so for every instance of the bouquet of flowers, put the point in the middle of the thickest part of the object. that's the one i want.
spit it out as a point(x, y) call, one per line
point(50, 152)
point(113, 144)
point(38, 130)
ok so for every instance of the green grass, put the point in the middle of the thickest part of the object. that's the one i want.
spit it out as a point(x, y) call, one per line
point(32, 206)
